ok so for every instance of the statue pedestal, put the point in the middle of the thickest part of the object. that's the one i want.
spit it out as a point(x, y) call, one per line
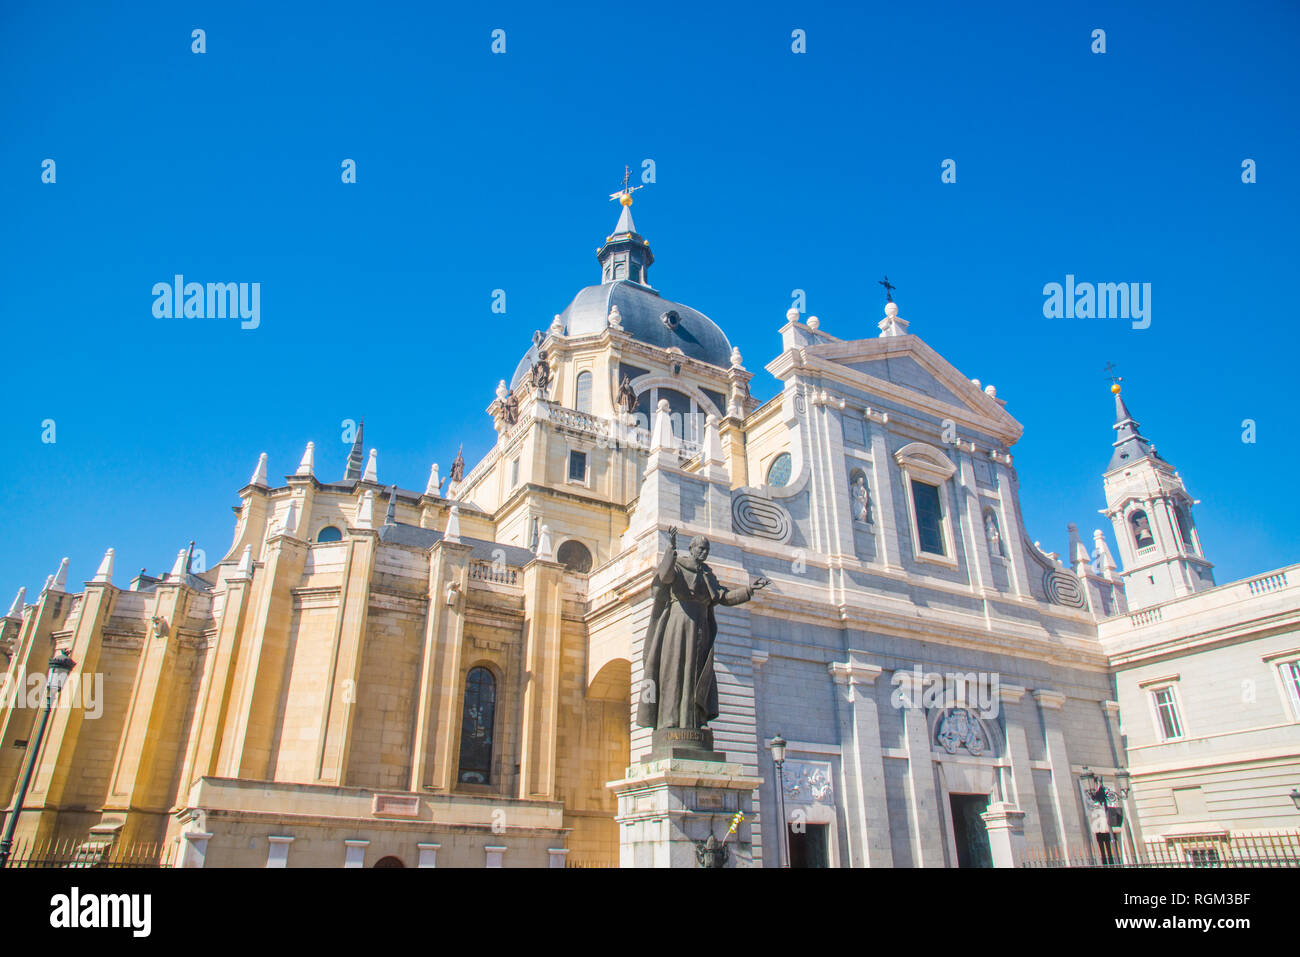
point(668, 808)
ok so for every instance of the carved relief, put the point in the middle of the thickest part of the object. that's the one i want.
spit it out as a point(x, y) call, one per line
point(760, 517)
point(809, 782)
point(960, 728)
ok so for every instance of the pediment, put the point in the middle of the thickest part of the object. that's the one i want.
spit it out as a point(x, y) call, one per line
point(904, 364)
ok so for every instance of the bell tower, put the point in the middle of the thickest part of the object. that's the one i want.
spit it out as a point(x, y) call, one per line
point(1151, 511)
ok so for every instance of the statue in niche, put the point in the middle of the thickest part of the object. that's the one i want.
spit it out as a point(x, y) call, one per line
point(681, 689)
point(626, 396)
point(861, 498)
point(992, 533)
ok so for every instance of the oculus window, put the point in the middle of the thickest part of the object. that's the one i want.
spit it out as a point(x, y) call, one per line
point(778, 473)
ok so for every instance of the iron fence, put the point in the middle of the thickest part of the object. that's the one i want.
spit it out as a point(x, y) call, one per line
point(1256, 849)
point(78, 852)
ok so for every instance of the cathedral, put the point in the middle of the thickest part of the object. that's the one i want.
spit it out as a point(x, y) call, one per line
point(375, 675)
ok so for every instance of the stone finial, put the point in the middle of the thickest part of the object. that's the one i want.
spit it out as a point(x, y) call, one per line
point(1078, 551)
point(20, 600)
point(1105, 560)
point(615, 317)
point(259, 473)
point(557, 326)
point(308, 463)
point(712, 461)
point(892, 325)
point(390, 516)
point(814, 323)
point(105, 572)
point(736, 359)
point(991, 391)
point(545, 548)
point(49, 584)
point(792, 314)
point(61, 577)
point(179, 567)
point(452, 534)
point(366, 511)
point(372, 468)
point(290, 524)
point(502, 390)
point(661, 434)
point(245, 567)
point(434, 487)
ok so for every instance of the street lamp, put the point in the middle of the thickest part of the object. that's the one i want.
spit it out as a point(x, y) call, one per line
point(60, 666)
point(778, 758)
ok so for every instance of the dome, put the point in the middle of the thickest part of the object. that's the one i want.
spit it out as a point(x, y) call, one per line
point(641, 310)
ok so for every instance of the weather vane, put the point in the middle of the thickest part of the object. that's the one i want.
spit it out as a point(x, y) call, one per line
point(1115, 380)
point(889, 288)
point(624, 195)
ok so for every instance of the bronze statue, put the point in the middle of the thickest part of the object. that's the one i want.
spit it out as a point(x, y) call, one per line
point(680, 689)
point(541, 373)
point(626, 396)
point(458, 466)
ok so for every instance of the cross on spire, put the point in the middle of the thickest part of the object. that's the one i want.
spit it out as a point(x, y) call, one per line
point(624, 195)
point(889, 288)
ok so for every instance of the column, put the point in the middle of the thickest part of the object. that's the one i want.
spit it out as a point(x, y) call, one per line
point(495, 856)
point(543, 644)
point(428, 855)
point(437, 714)
point(558, 856)
point(1064, 800)
point(356, 853)
point(194, 848)
point(927, 825)
point(865, 804)
point(1022, 776)
point(277, 851)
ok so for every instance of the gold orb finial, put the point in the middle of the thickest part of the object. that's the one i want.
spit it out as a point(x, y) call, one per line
point(1114, 388)
point(626, 199)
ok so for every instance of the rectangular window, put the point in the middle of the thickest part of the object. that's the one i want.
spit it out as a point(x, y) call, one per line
point(577, 466)
point(929, 517)
point(1167, 710)
point(1291, 678)
point(514, 472)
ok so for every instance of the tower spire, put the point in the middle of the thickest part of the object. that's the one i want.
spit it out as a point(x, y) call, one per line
point(357, 456)
point(625, 254)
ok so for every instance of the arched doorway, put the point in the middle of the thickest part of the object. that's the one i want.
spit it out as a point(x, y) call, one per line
point(389, 861)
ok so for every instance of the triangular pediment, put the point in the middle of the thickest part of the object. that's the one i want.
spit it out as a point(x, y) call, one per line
point(906, 369)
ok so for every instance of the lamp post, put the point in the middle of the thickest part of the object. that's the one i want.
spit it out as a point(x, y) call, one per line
point(1095, 788)
point(60, 666)
point(778, 758)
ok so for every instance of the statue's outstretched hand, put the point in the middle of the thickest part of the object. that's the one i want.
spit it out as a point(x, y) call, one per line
point(672, 538)
point(761, 582)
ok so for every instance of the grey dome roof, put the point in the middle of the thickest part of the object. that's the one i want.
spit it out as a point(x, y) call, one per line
point(641, 310)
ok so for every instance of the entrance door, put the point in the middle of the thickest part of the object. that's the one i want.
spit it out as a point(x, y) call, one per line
point(810, 848)
point(968, 828)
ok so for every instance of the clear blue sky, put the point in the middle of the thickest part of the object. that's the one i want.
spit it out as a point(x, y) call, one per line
point(775, 171)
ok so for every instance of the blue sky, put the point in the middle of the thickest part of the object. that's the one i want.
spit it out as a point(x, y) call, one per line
point(775, 171)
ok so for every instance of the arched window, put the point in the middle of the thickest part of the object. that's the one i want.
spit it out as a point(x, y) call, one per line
point(389, 861)
point(574, 556)
point(778, 473)
point(329, 533)
point(582, 392)
point(476, 725)
point(1141, 526)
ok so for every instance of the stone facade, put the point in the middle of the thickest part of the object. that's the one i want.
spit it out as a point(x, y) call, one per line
point(941, 679)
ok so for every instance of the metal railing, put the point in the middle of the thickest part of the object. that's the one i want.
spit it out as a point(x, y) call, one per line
point(82, 853)
point(1259, 849)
